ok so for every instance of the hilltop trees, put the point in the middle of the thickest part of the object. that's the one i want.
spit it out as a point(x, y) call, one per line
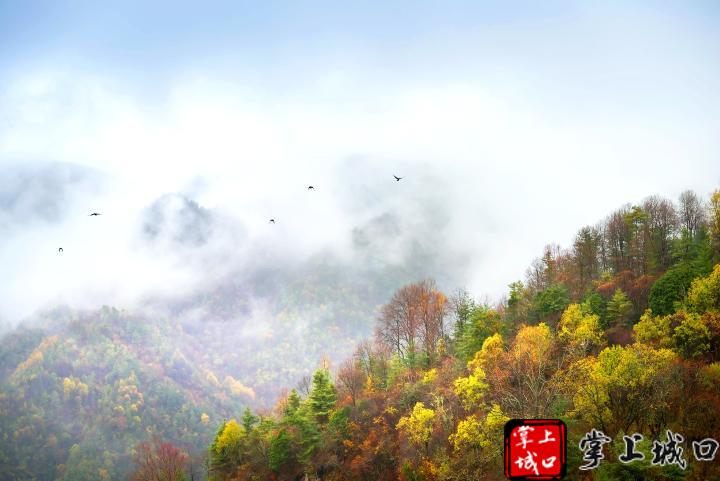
point(575, 340)
point(714, 221)
point(662, 224)
point(587, 255)
point(444, 422)
point(630, 250)
point(691, 214)
point(413, 322)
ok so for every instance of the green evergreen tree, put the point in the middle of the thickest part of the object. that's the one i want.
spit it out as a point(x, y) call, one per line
point(463, 307)
point(293, 404)
point(482, 323)
point(619, 309)
point(322, 396)
point(279, 450)
point(551, 302)
point(593, 303)
point(249, 420)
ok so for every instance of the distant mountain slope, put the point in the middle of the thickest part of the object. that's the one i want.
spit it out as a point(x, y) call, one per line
point(77, 395)
point(78, 390)
point(72, 382)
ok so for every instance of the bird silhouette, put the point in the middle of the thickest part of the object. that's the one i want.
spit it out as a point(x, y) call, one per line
point(311, 188)
point(60, 250)
point(272, 221)
point(397, 178)
point(94, 213)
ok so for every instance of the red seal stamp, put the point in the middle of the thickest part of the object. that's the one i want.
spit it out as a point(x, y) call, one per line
point(535, 449)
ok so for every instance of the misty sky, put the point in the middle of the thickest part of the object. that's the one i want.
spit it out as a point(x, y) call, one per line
point(190, 125)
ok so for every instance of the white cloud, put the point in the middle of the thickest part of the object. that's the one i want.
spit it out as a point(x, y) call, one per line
point(513, 174)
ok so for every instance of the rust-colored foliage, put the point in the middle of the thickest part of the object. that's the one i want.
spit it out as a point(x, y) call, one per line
point(159, 460)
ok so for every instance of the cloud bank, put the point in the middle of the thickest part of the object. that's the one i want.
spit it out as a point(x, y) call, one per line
point(511, 131)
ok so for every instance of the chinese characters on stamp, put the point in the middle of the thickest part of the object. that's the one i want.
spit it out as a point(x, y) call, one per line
point(535, 449)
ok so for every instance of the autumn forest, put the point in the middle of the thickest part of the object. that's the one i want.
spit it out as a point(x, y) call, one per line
point(618, 332)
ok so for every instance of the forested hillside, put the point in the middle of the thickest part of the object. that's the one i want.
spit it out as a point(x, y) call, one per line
point(619, 332)
point(79, 390)
point(79, 393)
point(345, 241)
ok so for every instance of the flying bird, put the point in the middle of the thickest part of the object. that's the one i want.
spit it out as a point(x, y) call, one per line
point(94, 213)
point(272, 221)
point(311, 188)
point(397, 178)
point(60, 250)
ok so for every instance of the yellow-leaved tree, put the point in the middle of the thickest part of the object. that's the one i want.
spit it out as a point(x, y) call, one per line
point(230, 437)
point(704, 294)
point(418, 425)
point(471, 389)
point(626, 388)
point(525, 388)
point(655, 331)
point(473, 433)
point(580, 332)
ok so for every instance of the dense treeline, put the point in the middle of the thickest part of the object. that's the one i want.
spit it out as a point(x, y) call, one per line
point(619, 332)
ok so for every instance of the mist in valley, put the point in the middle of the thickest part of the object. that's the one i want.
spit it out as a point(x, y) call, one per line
point(188, 131)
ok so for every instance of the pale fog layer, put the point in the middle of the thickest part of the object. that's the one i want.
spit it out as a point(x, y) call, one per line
point(509, 133)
